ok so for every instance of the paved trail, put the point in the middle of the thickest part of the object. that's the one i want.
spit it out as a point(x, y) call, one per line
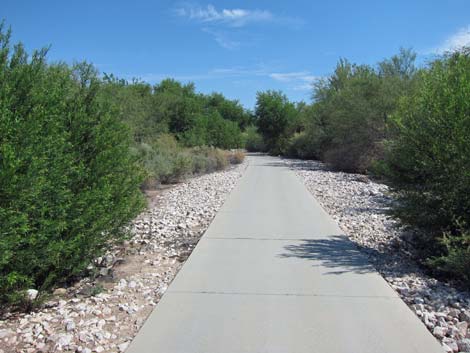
point(274, 274)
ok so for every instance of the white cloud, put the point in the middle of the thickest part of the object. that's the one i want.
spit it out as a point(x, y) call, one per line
point(223, 39)
point(299, 81)
point(238, 71)
point(455, 42)
point(216, 73)
point(230, 17)
point(293, 76)
point(234, 19)
point(303, 87)
point(294, 80)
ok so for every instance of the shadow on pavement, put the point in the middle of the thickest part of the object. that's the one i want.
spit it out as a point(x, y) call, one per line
point(337, 253)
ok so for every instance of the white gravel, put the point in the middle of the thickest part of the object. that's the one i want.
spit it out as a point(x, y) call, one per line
point(360, 207)
point(103, 315)
point(135, 275)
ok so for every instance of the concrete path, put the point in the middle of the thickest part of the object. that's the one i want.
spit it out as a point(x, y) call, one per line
point(274, 274)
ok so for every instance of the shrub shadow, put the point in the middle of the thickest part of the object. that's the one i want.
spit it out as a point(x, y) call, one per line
point(337, 253)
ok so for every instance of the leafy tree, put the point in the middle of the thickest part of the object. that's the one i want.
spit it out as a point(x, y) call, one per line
point(229, 109)
point(347, 124)
point(135, 106)
point(177, 104)
point(428, 162)
point(68, 184)
point(212, 130)
point(275, 115)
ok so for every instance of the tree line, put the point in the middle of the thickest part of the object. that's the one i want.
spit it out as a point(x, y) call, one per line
point(76, 148)
point(408, 125)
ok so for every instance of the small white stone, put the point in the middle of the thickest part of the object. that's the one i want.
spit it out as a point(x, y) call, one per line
point(439, 332)
point(70, 325)
point(32, 294)
point(123, 346)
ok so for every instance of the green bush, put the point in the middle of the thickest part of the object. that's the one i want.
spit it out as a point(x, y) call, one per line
point(428, 162)
point(275, 116)
point(302, 146)
point(182, 167)
point(253, 141)
point(208, 159)
point(201, 164)
point(68, 183)
point(164, 160)
point(212, 130)
point(351, 115)
point(456, 259)
point(346, 124)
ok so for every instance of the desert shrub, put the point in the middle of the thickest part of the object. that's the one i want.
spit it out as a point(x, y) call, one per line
point(428, 162)
point(201, 164)
point(221, 159)
point(236, 157)
point(182, 167)
point(456, 259)
point(253, 141)
point(352, 116)
point(164, 160)
point(347, 122)
point(353, 157)
point(68, 182)
point(302, 146)
point(208, 159)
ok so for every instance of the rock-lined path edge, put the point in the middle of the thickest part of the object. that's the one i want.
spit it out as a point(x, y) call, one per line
point(102, 315)
point(274, 273)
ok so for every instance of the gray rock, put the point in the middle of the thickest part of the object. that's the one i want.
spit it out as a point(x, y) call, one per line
point(462, 327)
point(439, 332)
point(123, 346)
point(451, 343)
point(60, 291)
point(62, 340)
point(70, 326)
point(32, 294)
point(464, 345)
point(4, 333)
point(465, 316)
point(108, 260)
point(447, 349)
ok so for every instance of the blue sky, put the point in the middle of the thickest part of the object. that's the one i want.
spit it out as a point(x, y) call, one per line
point(236, 47)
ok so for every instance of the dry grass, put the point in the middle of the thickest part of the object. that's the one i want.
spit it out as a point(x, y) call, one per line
point(236, 157)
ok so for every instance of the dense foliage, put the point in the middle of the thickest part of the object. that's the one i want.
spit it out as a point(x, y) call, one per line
point(275, 117)
point(171, 107)
point(352, 108)
point(68, 183)
point(75, 150)
point(428, 162)
point(169, 119)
